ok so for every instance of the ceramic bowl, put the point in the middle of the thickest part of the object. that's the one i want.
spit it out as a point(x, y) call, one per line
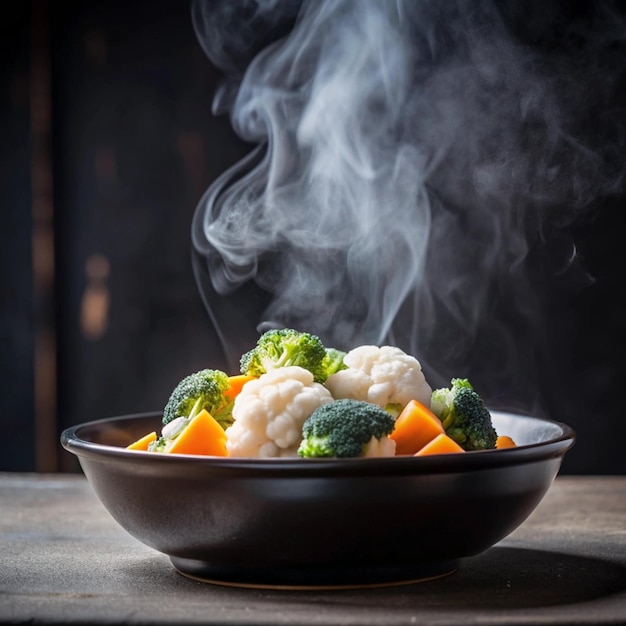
point(318, 523)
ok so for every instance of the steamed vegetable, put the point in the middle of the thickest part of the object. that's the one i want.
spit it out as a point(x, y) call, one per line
point(333, 362)
point(464, 416)
point(385, 376)
point(504, 441)
point(201, 434)
point(143, 442)
point(347, 428)
point(285, 347)
point(415, 427)
point(296, 397)
point(441, 444)
point(206, 390)
point(210, 390)
point(270, 411)
point(235, 385)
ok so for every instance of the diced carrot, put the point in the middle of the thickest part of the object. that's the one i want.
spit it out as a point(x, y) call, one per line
point(441, 444)
point(203, 435)
point(236, 384)
point(415, 427)
point(143, 442)
point(504, 441)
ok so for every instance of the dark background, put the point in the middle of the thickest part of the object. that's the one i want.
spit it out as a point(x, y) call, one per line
point(108, 143)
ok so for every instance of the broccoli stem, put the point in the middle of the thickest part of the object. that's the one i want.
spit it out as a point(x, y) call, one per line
point(195, 409)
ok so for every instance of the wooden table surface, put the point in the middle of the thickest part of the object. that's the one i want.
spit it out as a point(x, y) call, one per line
point(63, 559)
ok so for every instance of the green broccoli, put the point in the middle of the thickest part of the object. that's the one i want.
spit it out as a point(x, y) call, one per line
point(158, 445)
point(333, 362)
point(464, 416)
point(286, 347)
point(201, 390)
point(344, 428)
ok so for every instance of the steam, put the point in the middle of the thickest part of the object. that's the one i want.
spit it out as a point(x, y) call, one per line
point(408, 155)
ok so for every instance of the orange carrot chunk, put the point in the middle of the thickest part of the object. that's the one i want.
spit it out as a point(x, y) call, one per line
point(415, 427)
point(143, 442)
point(236, 384)
point(504, 441)
point(441, 444)
point(203, 435)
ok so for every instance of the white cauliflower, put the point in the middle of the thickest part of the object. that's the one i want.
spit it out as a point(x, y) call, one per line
point(380, 447)
point(270, 411)
point(383, 375)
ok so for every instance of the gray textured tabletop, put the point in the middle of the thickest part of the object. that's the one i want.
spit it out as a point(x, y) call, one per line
point(63, 559)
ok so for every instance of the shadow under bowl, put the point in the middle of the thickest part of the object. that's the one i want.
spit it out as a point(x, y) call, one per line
point(318, 523)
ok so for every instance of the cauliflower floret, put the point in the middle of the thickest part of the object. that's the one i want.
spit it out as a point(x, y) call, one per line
point(270, 411)
point(380, 447)
point(383, 375)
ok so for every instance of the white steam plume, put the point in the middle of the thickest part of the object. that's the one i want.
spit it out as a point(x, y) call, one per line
point(409, 152)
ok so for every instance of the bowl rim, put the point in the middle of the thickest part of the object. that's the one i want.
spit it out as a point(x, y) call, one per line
point(72, 441)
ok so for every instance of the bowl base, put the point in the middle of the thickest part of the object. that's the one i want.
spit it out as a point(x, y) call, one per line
point(312, 580)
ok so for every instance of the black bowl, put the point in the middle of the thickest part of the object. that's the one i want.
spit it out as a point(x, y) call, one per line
point(318, 523)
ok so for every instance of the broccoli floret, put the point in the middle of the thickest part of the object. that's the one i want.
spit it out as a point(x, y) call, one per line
point(158, 445)
point(344, 428)
point(285, 347)
point(201, 390)
point(394, 409)
point(333, 362)
point(464, 416)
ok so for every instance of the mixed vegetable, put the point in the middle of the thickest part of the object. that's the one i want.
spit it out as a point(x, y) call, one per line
point(295, 397)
